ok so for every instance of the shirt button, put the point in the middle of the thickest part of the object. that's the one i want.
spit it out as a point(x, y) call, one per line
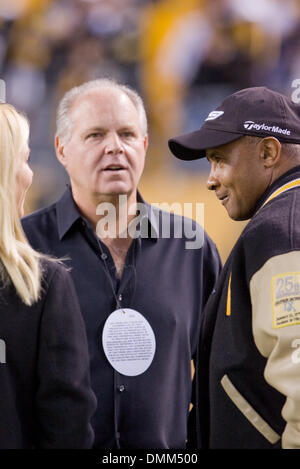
point(118, 435)
point(103, 256)
point(121, 388)
point(120, 298)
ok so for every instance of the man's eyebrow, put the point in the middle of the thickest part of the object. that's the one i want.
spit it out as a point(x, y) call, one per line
point(127, 127)
point(85, 133)
point(103, 129)
point(91, 129)
point(213, 154)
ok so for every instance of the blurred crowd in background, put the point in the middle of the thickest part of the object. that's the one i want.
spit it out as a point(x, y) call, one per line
point(183, 56)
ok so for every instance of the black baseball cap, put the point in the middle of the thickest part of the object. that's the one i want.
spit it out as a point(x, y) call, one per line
point(256, 111)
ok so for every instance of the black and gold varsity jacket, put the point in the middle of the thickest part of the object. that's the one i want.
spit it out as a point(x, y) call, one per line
point(248, 377)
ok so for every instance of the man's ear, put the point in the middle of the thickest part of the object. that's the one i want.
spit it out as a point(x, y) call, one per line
point(59, 150)
point(146, 142)
point(270, 151)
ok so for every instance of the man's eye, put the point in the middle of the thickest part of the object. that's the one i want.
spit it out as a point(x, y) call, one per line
point(127, 134)
point(95, 135)
point(217, 159)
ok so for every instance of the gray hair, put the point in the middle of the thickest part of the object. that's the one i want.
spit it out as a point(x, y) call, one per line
point(63, 119)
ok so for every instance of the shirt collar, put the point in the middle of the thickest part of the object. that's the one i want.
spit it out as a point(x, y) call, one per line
point(68, 214)
point(149, 224)
point(291, 175)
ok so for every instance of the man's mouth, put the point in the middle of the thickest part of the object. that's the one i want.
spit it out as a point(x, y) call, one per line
point(223, 198)
point(114, 168)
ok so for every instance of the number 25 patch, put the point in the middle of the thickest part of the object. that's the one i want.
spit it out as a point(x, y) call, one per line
point(285, 299)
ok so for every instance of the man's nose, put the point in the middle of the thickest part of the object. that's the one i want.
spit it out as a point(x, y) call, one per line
point(212, 182)
point(113, 144)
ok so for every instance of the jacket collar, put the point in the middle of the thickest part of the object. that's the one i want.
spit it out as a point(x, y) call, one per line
point(68, 215)
point(287, 181)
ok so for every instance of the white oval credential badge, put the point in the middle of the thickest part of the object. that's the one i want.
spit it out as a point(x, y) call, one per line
point(128, 341)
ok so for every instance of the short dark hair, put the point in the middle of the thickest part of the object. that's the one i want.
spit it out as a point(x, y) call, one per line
point(291, 150)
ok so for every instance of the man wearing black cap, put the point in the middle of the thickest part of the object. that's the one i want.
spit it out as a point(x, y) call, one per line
point(249, 355)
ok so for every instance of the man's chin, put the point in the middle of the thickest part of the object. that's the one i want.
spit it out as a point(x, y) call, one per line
point(239, 216)
point(116, 193)
point(116, 188)
point(113, 192)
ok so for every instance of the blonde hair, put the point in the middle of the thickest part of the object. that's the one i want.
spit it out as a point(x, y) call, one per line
point(20, 262)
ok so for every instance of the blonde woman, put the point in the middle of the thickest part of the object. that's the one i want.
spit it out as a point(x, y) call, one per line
point(45, 395)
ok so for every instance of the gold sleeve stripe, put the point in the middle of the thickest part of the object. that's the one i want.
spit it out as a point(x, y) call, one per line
point(247, 410)
point(228, 304)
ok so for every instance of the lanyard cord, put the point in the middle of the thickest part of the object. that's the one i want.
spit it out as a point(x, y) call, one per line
point(115, 374)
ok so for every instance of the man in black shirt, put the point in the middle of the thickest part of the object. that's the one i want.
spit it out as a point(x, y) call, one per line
point(141, 291)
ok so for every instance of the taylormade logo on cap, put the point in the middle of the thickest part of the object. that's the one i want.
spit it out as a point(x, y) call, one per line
point(250, 125)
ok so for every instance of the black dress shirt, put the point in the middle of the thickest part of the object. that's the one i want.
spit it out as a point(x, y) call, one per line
point(45, 396)
point(163, 281)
